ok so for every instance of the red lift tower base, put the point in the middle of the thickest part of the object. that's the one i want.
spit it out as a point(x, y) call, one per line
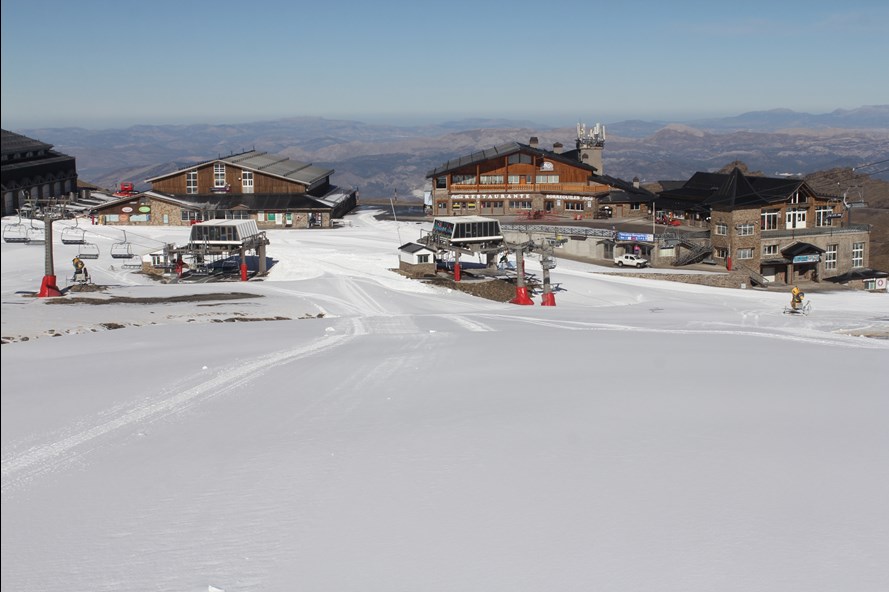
point(521, 296)
point(48, 287)
point(549, 299)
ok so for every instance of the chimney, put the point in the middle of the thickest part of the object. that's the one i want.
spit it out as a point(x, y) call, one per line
point(557, 147)
point(636, 182)
point(533, 141)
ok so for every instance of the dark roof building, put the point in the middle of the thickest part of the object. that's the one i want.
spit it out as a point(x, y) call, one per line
point(31, 169)
point(778, 228)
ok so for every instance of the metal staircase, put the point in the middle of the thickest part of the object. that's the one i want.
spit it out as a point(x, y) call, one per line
point(695, 252)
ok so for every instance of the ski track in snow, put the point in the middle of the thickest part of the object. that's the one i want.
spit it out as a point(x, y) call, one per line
point(821, 339)
point(21, 468)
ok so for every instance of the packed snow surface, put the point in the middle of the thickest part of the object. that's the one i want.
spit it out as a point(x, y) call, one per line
point(351, 429)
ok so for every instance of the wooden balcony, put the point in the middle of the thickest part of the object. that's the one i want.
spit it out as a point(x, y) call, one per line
point(575, 188)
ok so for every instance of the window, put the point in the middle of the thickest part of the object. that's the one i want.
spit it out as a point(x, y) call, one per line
point(191, 182)
point(770, 249)
point(635, 207)
point(823, 215)
point(191, 216)
point(422, 258)
point(721, 228)
point(745, 230)
point(547, 178)
point(514, 179)
point(492, 204)
point(574, 205)
point(721, 253)
point(830, 257)
point(519, 159)
point(247, 181)
point(520, 205)
point(796, 218)
point(857, 254)
point(491, 179)
point(463, 180)
point(797, 198)
point(219, 174)
point(769, 220)
point(441, 182)
point(442, 205)
point(745, 253)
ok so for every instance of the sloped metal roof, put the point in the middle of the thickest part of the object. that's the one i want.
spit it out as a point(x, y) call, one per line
point(12, 143)
point(414, 248)
point(267, 164)
point(733, 189)
point(501, 151)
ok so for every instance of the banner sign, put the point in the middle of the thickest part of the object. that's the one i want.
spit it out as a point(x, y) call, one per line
point(807, 258)
point(635, 236)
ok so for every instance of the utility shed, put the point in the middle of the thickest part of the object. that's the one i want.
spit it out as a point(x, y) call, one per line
point(416, 260)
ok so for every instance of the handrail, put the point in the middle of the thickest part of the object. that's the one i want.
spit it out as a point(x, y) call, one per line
point(480, 188)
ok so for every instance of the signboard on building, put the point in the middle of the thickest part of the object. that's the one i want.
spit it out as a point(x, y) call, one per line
point(807, 258)
point(635, 236)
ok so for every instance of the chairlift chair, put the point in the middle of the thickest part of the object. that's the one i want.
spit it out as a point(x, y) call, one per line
point(74, 235)
point(16, 232)
point(36, 236)
point(123, 249)
point(88, 250)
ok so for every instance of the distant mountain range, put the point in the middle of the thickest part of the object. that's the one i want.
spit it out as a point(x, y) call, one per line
point(384, 159)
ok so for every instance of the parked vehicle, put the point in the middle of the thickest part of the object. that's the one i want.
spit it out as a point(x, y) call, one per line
point(631, 260)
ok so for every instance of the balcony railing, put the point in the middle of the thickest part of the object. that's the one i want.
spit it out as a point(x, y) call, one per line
point(812, 231)
point(578, 188)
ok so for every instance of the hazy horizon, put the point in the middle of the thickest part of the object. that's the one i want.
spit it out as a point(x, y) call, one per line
point(407, 120)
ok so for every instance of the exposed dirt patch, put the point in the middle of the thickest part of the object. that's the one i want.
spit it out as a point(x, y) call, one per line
point(156, 300)
point(493, 289)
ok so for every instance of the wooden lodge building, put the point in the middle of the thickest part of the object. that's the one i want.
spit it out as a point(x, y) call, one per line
point(517, 179)
point(778, 228)
point(274, 191)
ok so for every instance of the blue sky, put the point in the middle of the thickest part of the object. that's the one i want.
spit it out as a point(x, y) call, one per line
point(106, 63)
